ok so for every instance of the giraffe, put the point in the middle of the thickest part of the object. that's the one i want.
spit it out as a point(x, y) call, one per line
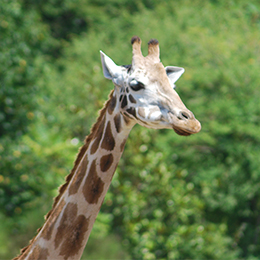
point(143, 93)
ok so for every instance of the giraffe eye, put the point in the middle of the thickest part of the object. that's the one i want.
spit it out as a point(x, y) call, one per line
point(136, 85)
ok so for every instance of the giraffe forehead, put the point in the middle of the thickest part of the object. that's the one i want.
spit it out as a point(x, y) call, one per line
point(150, 74)
point(158, 74)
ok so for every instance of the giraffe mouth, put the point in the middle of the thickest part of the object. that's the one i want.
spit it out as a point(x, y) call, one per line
point(185, 124)
point(181, 132)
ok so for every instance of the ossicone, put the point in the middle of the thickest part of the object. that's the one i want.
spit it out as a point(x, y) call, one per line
point(153, 52)
point(135, 39)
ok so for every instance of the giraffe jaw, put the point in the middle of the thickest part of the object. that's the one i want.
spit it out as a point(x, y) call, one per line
point(194, 128)
point(181, 132)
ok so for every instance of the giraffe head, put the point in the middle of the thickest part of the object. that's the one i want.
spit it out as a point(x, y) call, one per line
point(145, 91)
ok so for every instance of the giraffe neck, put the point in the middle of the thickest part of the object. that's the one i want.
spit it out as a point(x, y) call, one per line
point(68, 225)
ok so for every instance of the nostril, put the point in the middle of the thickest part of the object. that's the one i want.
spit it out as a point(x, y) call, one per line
point(183, 115)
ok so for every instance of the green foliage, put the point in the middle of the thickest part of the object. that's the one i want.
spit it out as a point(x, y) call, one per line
point(17, 73)
point(171, 197)
point(25, 42)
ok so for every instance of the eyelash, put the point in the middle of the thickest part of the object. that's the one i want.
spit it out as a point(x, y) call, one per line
point(137, 87)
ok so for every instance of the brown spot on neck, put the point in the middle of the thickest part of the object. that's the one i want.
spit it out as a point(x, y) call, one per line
point(124, 102)
point(117, 121)
point(93, 186)
point(108, 142)
point(105, 162)
point(98, 137)
point(111, 106)
point(73, 242)
point(66, 223)
point(74, 185)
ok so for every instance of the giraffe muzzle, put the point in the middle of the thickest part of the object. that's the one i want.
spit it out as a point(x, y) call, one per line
point(185, 123)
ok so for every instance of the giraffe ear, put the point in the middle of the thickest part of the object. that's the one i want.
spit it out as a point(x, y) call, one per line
point(110, 69)
point(173, 73)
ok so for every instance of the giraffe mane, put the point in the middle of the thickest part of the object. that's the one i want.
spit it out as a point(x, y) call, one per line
point(81, 153)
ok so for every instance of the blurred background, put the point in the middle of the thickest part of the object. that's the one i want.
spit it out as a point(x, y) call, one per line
point(172, 197)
